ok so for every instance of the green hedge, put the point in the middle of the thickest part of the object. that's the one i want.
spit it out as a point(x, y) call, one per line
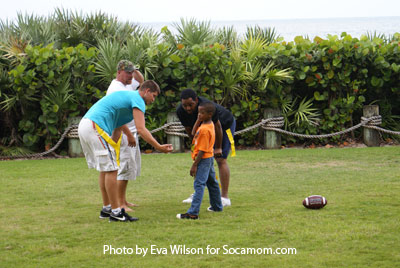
point(342, 74)
point(319, 85)
point(46, 87)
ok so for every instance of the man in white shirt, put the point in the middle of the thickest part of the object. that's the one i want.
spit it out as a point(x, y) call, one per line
point(128, 78)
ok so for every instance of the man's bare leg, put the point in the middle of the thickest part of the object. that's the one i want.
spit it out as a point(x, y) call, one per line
point(111, 188)
point(122, 185)
point(102, 185)
point(224, 175)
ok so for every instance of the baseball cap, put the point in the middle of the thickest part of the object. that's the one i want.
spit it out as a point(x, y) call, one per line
point(125, 65)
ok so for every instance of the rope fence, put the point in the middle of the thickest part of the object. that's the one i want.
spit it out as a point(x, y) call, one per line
point(72, 129)
point(270, 124)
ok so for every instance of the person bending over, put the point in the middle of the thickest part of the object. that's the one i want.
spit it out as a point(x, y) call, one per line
point(128, 78)
point(100, 133)
point(225, 126)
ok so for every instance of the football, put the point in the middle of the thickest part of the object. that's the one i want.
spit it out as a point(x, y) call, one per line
point(315, 202)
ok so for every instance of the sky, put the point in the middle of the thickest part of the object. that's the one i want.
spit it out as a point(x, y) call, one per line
point(147, 11)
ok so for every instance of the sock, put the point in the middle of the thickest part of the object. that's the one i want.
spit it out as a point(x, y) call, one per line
point(108, 207)
point(116, 211)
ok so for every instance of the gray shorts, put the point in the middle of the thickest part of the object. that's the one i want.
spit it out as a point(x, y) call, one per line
point(98, 153)
point(130, 160)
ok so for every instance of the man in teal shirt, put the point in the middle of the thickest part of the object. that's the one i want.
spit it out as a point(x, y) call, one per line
point(100, 133)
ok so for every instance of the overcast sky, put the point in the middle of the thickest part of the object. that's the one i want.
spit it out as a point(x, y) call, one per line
point(145, 11)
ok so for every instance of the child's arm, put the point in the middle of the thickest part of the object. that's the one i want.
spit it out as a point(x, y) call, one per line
point(193, 170)
point(196, 126)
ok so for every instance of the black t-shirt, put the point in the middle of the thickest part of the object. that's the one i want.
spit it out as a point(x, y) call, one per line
point(223, 115)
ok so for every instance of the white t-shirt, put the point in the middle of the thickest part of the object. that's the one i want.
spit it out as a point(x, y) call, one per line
point(118, 86)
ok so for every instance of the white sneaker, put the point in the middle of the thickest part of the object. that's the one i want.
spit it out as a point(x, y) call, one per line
point(188, 200)
point(226, 202)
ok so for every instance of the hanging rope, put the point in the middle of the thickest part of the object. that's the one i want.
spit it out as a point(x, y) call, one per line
point(371, 121)
point(272, 124)
point(66, 131)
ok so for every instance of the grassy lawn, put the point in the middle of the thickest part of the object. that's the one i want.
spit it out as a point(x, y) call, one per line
point(50, 212)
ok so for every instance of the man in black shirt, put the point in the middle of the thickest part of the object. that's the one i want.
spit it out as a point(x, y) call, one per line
point(225, 125)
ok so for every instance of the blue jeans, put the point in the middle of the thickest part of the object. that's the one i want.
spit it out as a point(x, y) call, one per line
point(205, 175)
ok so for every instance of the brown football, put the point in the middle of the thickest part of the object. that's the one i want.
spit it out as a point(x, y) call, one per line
point(315, 202)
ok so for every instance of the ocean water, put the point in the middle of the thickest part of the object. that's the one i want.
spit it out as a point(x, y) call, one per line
point(290, 28)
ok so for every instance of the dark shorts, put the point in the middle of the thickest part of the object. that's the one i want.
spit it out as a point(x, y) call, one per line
point(226, 144)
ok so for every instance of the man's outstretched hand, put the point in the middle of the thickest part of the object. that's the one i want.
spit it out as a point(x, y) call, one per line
point(165, 148)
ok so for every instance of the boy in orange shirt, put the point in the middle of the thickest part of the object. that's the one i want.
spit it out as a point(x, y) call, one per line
point(203, 165)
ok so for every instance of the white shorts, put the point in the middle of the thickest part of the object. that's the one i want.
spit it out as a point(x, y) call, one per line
point(130, 160)
point(98, 153)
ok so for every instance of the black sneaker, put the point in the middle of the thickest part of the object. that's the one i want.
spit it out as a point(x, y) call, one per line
point(122, 216)
point(210, 209)
point(187, 216)
point(105, 213)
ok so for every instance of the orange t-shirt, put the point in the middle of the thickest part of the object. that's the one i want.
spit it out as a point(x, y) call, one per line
point(204, 141)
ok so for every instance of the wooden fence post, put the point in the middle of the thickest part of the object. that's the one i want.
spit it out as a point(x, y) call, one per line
point(176, 141)
point(371, 136)
point(272, 139)
point(74, 145)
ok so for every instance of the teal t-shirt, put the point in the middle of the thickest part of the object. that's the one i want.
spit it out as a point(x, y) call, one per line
point(115, 110)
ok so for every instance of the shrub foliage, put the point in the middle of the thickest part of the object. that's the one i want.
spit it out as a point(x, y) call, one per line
point(50, 73)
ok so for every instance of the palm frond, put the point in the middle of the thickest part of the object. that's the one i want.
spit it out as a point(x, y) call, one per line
point(35, 30)
point(13, 49)
point(61, 95)
point(275, 75)
point(253, 47)
point(14, 151)
point(192, 32)
point(227, 36)
point(232, 77)
point(110, 53)
point(268, 34)
point(8, 102)
point(304, 113)
point(372, 35)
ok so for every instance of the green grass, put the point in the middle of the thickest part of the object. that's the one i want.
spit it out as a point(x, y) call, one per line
point(50, 212)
